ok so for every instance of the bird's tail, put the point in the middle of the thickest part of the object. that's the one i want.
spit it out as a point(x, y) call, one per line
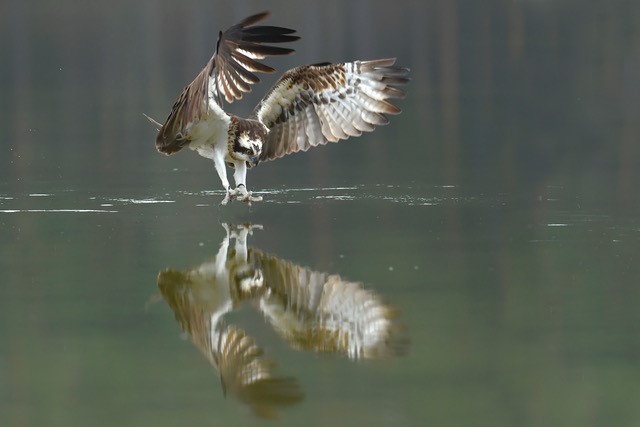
point(158, 125)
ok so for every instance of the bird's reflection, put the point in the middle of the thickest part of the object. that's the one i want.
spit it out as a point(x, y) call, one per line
point(312, 311)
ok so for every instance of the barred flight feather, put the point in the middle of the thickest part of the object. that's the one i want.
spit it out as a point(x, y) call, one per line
point(317, 104)
point(322, 312)
point(244, 371)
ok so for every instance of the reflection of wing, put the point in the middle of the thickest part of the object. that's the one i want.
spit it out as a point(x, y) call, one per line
point(228, 74)
point(247, 375)
point(321, 103)
point(198, 305)
point(321, 312)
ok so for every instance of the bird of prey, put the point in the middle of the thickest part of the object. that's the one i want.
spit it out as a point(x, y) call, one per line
point(308, 106)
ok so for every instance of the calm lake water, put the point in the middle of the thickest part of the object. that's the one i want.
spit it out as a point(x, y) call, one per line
point(504, 308)
point(474, 263)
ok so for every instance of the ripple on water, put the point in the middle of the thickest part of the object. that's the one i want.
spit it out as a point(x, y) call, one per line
point(56, 211)
point(59, 202)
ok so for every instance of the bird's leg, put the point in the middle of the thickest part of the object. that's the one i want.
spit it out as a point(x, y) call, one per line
point(221, 168)
point(240, 177)
point(230, 231)
point(241, 244)
point(221, 256)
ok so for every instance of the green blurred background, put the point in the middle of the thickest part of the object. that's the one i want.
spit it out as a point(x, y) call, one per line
point(522, 92)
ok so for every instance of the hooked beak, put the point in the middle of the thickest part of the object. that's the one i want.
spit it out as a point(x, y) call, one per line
point(254, 160)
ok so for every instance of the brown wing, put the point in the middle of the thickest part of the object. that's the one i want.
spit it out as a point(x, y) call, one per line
point(229, 73)
point(248, 376)
point(315, 104)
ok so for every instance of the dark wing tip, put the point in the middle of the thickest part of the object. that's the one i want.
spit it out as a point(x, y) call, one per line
point(239, 52)
point(269, 29)
point(265, 34)
point(253, 19)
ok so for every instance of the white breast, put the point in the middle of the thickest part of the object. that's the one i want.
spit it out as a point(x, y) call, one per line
point(209, 135)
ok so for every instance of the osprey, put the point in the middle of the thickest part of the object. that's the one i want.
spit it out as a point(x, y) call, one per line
point(309, 106)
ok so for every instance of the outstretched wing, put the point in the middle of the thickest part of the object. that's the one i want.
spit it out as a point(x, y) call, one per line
point(228, 74)
point(322, 312)
point(315, 104)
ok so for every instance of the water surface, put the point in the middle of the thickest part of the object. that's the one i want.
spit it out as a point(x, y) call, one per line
point(503, 304)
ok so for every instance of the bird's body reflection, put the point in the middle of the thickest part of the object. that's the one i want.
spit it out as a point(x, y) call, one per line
point(312, 311)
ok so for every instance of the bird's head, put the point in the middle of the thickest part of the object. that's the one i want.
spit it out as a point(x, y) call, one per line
point(246, 137)
point(247, 282)
point(248, 148)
